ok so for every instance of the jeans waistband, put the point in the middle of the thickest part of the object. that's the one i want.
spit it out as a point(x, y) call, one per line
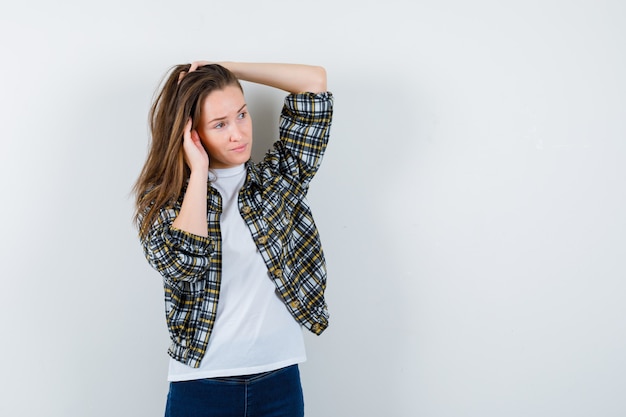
point(251, 377)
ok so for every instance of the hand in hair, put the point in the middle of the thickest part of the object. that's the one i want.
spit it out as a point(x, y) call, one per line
point(194, 66)
point(196, 156)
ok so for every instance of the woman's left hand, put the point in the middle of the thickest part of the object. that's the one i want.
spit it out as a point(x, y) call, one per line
point(197, 64)
point(194, 66)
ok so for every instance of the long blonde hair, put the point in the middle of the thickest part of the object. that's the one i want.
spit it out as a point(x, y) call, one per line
point(164, 173)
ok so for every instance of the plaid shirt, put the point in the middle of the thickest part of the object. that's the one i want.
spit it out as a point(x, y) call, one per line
point(273, 205)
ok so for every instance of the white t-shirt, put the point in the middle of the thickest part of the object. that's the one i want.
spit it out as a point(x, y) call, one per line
point(253, 332)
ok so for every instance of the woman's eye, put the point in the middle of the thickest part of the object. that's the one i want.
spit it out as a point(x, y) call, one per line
point(243, 115)
point(219, 125)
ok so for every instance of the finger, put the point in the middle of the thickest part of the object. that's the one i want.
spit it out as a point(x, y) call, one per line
point(187, 130)
point(197, 64)
point(181, 75)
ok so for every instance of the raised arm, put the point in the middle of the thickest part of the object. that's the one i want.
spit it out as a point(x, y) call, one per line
point(293, 78)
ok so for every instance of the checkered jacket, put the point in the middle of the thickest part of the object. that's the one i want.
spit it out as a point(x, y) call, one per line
point(273, 205)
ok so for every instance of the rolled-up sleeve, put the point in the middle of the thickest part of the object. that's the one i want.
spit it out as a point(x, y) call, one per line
point(176, 254)
point(304, 130)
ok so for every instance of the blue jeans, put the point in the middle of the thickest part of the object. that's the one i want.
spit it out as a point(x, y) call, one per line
point(269, 394)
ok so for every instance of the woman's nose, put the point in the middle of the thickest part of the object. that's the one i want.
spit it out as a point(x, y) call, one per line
point(235, 133)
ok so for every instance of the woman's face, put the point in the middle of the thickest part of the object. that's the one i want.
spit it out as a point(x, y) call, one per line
point(225, 128)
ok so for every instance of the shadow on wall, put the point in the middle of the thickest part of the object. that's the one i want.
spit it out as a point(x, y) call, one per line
point(372, 293)
point(264, 105)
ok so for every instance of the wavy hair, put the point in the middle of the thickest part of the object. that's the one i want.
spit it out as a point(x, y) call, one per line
point(164, 174)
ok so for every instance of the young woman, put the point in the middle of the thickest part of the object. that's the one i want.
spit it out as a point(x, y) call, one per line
point(236, 244)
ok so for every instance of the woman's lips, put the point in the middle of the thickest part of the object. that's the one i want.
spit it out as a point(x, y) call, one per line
point(240, 148)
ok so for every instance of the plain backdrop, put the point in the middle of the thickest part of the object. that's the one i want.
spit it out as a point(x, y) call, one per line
point(471, 202)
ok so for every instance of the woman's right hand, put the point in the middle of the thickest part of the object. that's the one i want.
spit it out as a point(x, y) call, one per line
point(196, 156)
point(193, 210)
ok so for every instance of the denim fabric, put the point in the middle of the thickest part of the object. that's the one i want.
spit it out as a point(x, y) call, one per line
point(269, 394)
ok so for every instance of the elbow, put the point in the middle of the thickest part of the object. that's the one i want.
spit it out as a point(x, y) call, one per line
point(183, 273)
point(318, 83)
point(180, 267)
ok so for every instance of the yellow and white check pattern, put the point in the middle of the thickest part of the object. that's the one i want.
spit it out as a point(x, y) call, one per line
point(273, 204)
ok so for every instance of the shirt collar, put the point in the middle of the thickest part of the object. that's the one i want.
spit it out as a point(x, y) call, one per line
point(253, 173)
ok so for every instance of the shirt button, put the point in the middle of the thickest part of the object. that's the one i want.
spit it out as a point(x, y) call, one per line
point(294, 304)
point(246, 209)
point(278, 272)
point(262, 240)
point(315, 328)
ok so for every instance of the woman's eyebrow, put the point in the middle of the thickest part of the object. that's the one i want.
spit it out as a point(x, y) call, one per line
point(223, 117)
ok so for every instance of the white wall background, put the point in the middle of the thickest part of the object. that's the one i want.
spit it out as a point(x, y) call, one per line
point(471, 202)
